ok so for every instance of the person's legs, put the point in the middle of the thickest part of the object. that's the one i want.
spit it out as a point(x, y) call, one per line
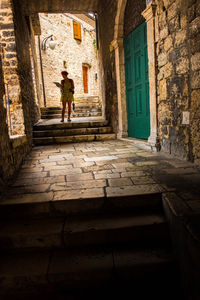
point(69, 109)
point(63, 110)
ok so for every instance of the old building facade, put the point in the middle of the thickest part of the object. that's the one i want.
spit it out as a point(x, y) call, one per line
point(75, 51)
point(172, 44)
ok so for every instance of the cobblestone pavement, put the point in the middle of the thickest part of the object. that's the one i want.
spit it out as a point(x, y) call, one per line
point(102, 169)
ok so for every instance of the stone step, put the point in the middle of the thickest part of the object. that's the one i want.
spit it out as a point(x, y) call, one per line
point(38, 271)
point(72, 132)
point(40, 126)
point(73, 139)
point(84, 102)
point(77, 108)
point(51, 233)
point(23, 201)
point(75, 114)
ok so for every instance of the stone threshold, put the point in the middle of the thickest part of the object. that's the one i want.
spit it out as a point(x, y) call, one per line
point(142, 144)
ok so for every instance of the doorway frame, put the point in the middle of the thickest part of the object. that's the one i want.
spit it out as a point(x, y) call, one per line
point(85, 78)
point(118, 44)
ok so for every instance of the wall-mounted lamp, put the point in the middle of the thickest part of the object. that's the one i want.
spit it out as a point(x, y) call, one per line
point(52, 43)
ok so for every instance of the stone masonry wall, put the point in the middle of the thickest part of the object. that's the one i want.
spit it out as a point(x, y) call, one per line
point(178, 63)
point(106, 19)
point(4, 139)
point(10, 65)
point(132, 16)
point(69, 54)
point(23, 47)
point(12, 151)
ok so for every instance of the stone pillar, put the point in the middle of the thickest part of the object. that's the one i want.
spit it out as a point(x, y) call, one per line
point(149, 15)
point(121, 89)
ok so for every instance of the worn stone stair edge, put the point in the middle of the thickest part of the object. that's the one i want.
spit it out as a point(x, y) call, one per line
point(70, 232)
point(79, 206)
point(73, 139)
point(74, 115)
point(78, 110)
point(72, 132)
point(98, 123)
point(77, 107)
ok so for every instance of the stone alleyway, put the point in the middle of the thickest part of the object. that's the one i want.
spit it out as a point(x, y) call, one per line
point(102, 169)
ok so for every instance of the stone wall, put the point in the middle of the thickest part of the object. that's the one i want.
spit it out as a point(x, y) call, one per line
point(23, 47)
point(69, 54)
point(178, 56)
point(10, 65)
point(106, 20)
point(132, 16)
point(15, 68)
point(4, 140)
point(12, 150)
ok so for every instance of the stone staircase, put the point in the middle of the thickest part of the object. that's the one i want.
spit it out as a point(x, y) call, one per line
point(79, 131)
point(102, 248)
point(84, 107)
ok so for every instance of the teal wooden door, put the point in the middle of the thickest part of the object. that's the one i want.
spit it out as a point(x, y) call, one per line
point(137, 83)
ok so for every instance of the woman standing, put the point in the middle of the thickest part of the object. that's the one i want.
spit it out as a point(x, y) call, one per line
point(67, 90)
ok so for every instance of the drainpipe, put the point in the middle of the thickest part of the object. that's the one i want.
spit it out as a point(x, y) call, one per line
point(41, 68)
point(97, 30)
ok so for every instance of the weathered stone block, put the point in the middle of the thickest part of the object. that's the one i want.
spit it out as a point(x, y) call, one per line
point(195, 61)
point(195, 100)
point(8, 33)
point(162, 20)
point(191, 13)
point(183, 66)
point(172, 11)
point(120, 182)
point(164, 33)
point(163, 89)
point(168, 43)
point(180, 37)
point(183, 21)
point(194, 28)
point(11, 47)
point(168, 70)
point(195, 80)
point(162, 59)
point(174, 24)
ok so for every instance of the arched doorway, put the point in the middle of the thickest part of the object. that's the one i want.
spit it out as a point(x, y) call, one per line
point(118, 44)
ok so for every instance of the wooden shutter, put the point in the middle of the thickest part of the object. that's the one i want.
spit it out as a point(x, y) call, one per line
point(77, 30)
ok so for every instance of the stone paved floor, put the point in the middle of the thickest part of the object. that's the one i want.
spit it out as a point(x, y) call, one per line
point(98, 169)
